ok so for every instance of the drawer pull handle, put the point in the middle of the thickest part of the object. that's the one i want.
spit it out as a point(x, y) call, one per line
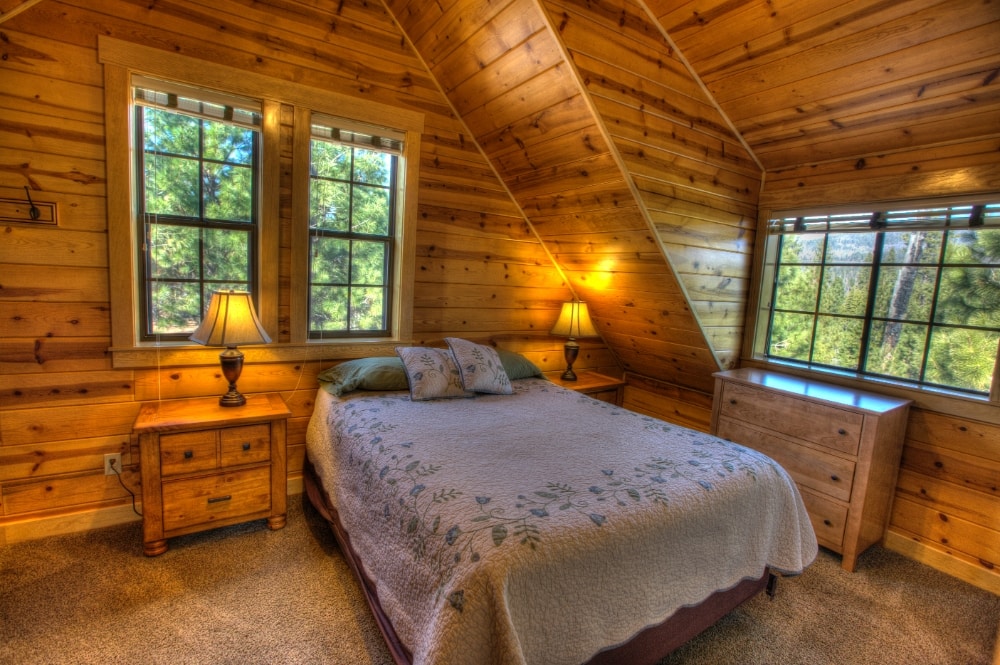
point(220, 499)
point(188, 454)
point(732, 401)
point(827, 522)
point(841, 431)
point(835, 478)
point(246, 445)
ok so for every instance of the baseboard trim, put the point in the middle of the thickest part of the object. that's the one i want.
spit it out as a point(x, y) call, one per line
point(946, 562)
point(33, 528)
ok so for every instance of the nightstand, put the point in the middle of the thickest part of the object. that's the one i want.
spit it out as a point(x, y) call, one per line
point(204, 466)
point(598, 386)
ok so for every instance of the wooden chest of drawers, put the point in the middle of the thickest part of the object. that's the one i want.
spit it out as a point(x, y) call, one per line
point(205, 466)
point(841, 446)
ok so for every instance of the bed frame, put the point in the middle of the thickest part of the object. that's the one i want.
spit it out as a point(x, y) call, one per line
point(647, 647)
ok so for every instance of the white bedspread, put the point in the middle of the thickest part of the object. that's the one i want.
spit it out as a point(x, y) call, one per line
point(544, 526)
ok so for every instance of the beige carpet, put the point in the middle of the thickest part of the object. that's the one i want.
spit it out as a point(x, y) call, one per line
point(245, 595)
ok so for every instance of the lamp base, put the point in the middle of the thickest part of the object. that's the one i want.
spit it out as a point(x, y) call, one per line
point(232, 366)
point(570, 351)
point(232, 398)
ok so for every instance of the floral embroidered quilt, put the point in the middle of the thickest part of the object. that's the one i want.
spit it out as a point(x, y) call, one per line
point(544, 526)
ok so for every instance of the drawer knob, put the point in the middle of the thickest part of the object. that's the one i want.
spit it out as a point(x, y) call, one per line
point(246, 445)
point(841, 431)
point(827, 522)
point(732, 401)
point(188, 454)
point(220, 499)
point(835, 478)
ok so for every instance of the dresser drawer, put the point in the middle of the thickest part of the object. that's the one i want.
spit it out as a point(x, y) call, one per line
point(187, 452)
point(809, 467)
point(828, 426)
point(246, 445)
point(828, 518)
point(193, 501)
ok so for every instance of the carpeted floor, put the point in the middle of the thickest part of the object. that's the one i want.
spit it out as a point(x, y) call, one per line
point(248, 595)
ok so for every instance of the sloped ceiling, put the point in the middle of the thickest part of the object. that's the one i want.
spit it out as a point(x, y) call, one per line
point(635, 135)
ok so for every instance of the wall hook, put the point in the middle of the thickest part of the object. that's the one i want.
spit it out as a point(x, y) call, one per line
point(33, 212)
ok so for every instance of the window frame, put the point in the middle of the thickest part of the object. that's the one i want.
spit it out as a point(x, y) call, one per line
point(121, 61)
point(763, 289)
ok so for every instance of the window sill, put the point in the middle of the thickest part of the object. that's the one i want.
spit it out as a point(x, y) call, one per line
point(180, 354)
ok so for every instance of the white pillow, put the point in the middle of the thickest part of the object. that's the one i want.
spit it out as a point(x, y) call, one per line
point(432, 373)
point(480, 367)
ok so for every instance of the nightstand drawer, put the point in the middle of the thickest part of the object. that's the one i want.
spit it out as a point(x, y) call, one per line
point(246, 445)
point(187, 452)
point(809, 467)
point(217, 498)
point(828, 426)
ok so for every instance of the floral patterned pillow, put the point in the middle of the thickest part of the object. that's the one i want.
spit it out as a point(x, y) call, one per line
point(480, 367)
point(432, 373)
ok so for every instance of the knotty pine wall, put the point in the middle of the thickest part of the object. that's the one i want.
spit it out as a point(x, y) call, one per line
point(947, 504)
point(481, 273)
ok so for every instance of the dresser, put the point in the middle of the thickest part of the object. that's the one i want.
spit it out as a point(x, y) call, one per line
point(205, 466)
point(841, 446)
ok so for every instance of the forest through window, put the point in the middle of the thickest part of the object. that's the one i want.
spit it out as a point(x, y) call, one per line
point(911, 295)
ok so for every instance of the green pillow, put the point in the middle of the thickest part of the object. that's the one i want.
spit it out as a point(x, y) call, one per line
point(517, 366)
point(380, 373)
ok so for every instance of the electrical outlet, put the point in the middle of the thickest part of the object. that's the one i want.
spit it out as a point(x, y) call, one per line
point(112, 464)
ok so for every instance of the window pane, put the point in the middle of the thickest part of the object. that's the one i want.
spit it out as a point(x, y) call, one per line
point(802, 249)
point(330, 258)
point(845, 290)
point(962, 358)
point(328, 308)
point(980, 246)
point(371, 210)
point(367, 308)
point(227, 255)
point(228, 192)
point(896, 349)
point(374, 168)
point(838, 341)
point(331, 160)
point(912, 247)
point(171, 186)
point(797, 288)
point(851, 248)
point(791, 336)
point(368, 263)
point(174, 252)
point(172, 133)
point(969, 296)
point(330, 205)
point(228, 143)
point(176, 307)
point(905, 293)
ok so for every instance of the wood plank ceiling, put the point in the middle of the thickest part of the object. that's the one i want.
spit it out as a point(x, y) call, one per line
point(635, 136)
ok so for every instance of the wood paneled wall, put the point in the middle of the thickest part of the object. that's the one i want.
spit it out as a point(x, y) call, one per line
point(618, 159)
point(947, 502)
point(481, 272)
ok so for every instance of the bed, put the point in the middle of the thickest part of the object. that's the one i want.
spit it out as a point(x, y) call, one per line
point(544, 526)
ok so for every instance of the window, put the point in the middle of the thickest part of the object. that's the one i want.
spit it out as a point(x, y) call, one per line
point(353, 178)
point(209, 187)
point(197, 174)
point(909, 294)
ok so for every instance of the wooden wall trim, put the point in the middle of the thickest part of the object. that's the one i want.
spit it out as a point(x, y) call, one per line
point(161, 63)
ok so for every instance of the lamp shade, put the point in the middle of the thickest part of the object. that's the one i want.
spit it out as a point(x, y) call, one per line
point(230, 321)
point(574, 321)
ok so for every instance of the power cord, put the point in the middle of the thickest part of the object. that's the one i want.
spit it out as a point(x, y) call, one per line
point(114, 467)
